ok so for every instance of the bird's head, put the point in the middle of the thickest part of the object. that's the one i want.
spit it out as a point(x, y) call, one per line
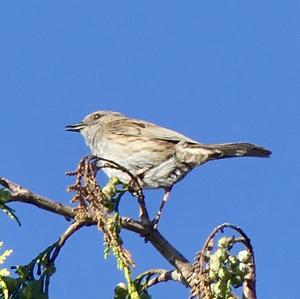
point(93, 120)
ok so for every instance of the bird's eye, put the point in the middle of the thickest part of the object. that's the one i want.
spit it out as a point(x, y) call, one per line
point(96, 116)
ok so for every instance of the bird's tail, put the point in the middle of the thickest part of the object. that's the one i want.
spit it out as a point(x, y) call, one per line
point(229, 150)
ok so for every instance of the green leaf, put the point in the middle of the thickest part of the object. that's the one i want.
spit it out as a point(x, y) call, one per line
point(4, 195)
point(33, 289)
point(10, 283)
point(10, 213)
point(145, 296)
point(121, 291)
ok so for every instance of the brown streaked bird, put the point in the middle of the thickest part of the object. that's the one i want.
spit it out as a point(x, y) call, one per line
point(156, 156)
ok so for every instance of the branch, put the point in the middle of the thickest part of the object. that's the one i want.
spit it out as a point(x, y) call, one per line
point(152, 277)
point(164, 276)
point(61, 242)
point(64, 237)
point(170, 253)
point(21, 194)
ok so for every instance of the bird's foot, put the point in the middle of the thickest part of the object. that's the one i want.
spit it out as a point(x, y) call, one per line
point(150, 227)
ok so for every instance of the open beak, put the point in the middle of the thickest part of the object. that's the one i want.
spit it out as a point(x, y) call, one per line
point(75, 128)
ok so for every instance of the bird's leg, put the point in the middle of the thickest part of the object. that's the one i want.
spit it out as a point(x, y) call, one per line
point(143, 213)
point(162, 204)
point(137, 191)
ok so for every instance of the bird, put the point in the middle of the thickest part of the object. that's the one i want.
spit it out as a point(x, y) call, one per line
point(156, 156)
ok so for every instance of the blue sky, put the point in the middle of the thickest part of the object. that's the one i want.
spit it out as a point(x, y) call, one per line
point(217, 71)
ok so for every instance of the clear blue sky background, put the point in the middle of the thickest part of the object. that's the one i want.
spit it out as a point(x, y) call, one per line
point(218, 71)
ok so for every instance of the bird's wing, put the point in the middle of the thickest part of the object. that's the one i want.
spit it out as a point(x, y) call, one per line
point(134, 127)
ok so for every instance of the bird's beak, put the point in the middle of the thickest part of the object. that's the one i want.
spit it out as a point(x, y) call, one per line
point(75, 128)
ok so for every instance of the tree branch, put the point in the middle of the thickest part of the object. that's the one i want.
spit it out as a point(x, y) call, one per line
point(21, 194)
point(152, 277)
point(170, 253)
point(165, 276)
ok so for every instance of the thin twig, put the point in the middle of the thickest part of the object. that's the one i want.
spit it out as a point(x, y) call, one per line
point(65, 236)
point(165, 276)
point(62, 240)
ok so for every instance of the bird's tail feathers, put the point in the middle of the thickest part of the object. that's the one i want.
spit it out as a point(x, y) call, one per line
point(241, 149)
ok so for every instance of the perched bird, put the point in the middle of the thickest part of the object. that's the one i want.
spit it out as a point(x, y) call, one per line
point(156, 156)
